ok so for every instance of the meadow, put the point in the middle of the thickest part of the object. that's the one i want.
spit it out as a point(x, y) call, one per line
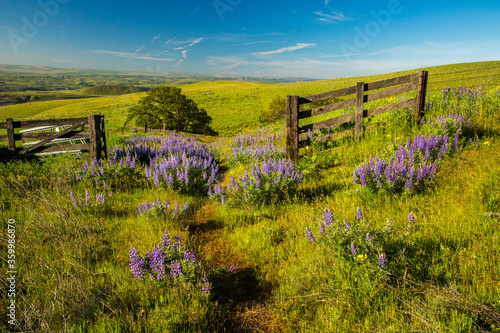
point(397, 232)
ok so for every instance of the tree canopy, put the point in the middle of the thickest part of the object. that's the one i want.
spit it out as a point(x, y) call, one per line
point(167, 106)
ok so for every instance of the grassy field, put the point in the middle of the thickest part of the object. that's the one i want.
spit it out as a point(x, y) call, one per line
point(392, 260)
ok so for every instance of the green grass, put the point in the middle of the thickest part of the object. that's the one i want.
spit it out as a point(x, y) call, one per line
point(73, 263)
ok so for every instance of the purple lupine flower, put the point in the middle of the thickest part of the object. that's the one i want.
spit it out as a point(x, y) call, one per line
point(354, 251)
point(222, 200)
point(347, 224)
point(368, 237)
point(72, 197)
point(139, 209)
point(165, 242)
point(111, 194)
point(176, 269)
point(411, 218)
point(189, 256)
point(185, 206)
point(359, 214)
point(206, 286)
point(176, 209)
point(381, 260)
point(309, 235)
point(157, 263)
point(177, 244)
point(327, 217)
point(137, 264)
point(100, 199)
point(87, 198)
point(321, 228)
point(232, 268)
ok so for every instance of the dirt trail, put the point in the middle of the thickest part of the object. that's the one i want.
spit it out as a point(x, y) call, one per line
point(240, 295)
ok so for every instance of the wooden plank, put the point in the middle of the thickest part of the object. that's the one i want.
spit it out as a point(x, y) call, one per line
point(327, 108)
point(40, 136)
point(54, 136)
point(391, 107)
point(328, 123)
point(391, 82)
point(292, 124)
point(10, 134)
point(328, 95)
point(43, 149)
point(48, 122)
point(391, 91)
point(360, 93)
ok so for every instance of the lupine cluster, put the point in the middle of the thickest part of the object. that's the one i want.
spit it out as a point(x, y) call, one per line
point(160, 207)
point(267, 181)
point(411, 166)
point(255, 147)
point(359, 242)
point(463, 92)
point(169, 262)
point(172, 161)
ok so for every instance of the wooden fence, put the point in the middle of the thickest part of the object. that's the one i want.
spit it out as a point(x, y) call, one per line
point(403, 84)
point(57, 136)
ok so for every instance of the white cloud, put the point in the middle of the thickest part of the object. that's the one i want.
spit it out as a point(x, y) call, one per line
point(168, 41)
point(129, 55)
point(251, 43)
point(286, 49)
point(194, 42)
point(184, 56)
point(155, 38)
point(333, 17)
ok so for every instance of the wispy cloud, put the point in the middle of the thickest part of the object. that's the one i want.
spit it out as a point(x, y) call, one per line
point(251, 43)
point(195, 10)
point(184, 56)
point(129, 55)
point(168, 41)
point(133, 54)
point(196, 41)
point(332, 17)
point(286, 49)
point(155, 38)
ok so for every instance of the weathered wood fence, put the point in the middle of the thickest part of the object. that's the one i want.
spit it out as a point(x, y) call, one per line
point(57, 136)
point(402, 84)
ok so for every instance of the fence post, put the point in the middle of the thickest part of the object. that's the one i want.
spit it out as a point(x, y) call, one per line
point(10, 134)
point(103, 136)
point(422, 90)
point(292, 127)
point(360, 95)
point(94, 139)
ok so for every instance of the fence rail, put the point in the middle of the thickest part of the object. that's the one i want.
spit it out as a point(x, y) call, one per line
point(399, 85)
point(66, 135)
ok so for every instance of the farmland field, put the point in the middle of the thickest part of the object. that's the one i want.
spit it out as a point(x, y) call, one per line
point(397, 232)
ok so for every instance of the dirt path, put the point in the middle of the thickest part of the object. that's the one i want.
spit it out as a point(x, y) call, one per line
point(240, 295)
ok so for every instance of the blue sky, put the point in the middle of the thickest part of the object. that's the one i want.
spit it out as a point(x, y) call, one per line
point(316, 38)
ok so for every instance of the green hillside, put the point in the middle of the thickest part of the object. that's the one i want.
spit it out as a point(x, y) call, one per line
point(236, 106)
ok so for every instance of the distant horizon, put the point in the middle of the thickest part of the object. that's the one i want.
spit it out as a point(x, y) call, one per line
point(322, 39)
point(235, 76)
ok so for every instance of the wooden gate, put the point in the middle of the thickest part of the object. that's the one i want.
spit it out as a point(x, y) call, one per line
point(55, 136)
